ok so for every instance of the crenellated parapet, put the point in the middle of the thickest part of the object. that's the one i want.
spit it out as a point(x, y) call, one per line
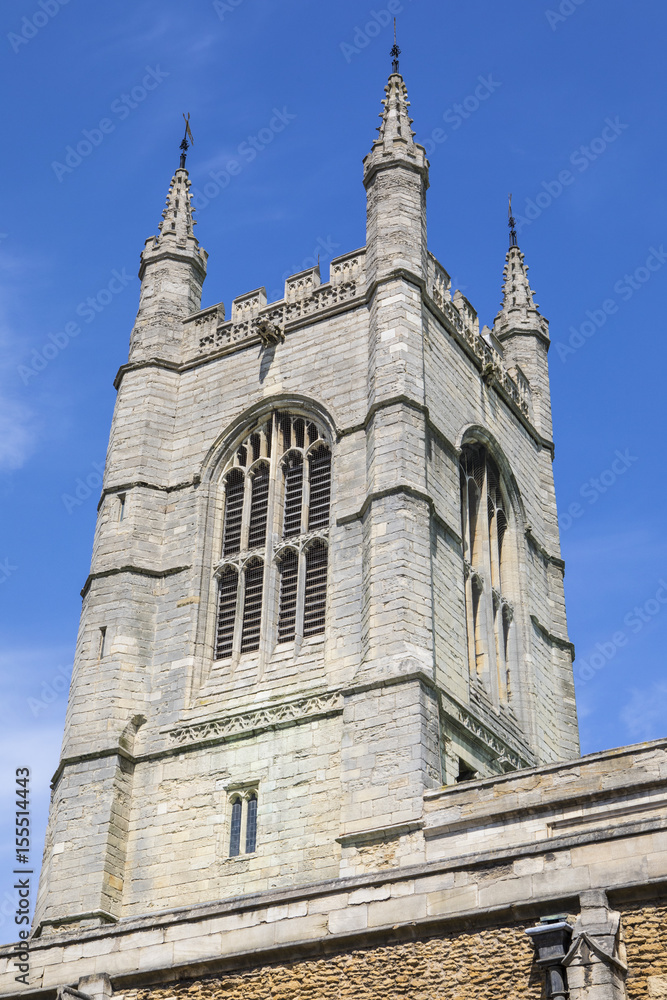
point(460, 319)
point(305, 298)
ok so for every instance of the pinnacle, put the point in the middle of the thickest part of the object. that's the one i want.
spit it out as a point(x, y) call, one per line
point(177, 224)
point(518, 308)
point(396, 122)
point(395, 144)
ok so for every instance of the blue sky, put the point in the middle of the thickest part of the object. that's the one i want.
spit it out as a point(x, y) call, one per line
point(572, 121)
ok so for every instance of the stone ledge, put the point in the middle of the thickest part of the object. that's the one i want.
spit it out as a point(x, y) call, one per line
point(380, 833)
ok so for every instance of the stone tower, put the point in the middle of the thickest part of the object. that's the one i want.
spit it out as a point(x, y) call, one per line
point(326, 574)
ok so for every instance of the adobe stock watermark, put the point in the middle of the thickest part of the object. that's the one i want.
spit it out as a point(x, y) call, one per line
point(224, 7)
point(625, 288)
point(566, 9)
point(581, 159)
point(121, 108)
point(364, 34)
point(6, 570)
point(83, 488)
point(634, 621)
point(458, 113)
point(323, 249)
point(31, 26)
point(89, 309)
point(247, 151)
point(597, 486)
point(50, 691)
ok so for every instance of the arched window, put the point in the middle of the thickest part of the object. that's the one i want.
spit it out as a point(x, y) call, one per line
point(484, 516)
point(277, 488)
point(315, 597)
point(319, 475)
point(235, 827)
point(227, 596)
point(243, 822)
point(251, 824)
point(234, 490)
point(259, 505)
point(293, 474)
point(252, 605)
point(289, 580)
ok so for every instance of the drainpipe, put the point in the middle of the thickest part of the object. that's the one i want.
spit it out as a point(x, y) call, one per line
point(551, 940)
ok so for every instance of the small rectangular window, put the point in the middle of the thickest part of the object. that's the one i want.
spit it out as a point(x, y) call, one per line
point(103, 642)
point(121, 506)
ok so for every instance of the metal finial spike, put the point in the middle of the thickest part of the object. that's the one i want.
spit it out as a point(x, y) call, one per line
point(511, 222)
point(395, 52)
point(185, 145)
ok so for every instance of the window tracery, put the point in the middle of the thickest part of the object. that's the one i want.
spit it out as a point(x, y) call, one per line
point(489, 612)
point(277, 500)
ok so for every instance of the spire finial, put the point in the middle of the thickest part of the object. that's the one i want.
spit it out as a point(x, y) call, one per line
point(511, 222)
point(185, 145)
point(395, 52)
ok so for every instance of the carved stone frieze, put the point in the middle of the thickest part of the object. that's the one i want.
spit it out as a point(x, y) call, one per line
point(508, 758)
point(285, 714)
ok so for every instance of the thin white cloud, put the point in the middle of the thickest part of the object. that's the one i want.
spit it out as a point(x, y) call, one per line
point(17, 434)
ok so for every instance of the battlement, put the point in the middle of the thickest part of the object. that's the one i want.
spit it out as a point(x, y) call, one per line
point(306, 297)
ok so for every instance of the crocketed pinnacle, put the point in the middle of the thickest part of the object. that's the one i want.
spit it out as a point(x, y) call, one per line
point(519, 311)
point(396, 140)
point(396, 121)
point(177, 221)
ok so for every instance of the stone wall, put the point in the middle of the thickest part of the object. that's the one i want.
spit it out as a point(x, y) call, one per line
point(645, 931)
point(476, 965)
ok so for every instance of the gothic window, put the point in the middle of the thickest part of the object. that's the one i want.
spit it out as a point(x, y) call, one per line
point(243, 823)
point(488, 609)
point(272, 577)
point(251, 824)
point(235, 828)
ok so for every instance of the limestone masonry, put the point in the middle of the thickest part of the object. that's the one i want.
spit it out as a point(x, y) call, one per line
point(321, 738)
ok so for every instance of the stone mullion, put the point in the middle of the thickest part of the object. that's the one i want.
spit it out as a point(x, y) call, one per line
point(245, 521)
point(305, 494)
point(238, 620)
point(300, 600)
point(270, 589)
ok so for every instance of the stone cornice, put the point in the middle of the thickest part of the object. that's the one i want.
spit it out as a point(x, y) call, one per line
point(137, 570)
point(403, 489)
point(554, 560)
point(143, 484)
point(553, 640)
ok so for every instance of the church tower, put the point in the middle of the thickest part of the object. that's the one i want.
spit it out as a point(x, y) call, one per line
point(326, 576)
